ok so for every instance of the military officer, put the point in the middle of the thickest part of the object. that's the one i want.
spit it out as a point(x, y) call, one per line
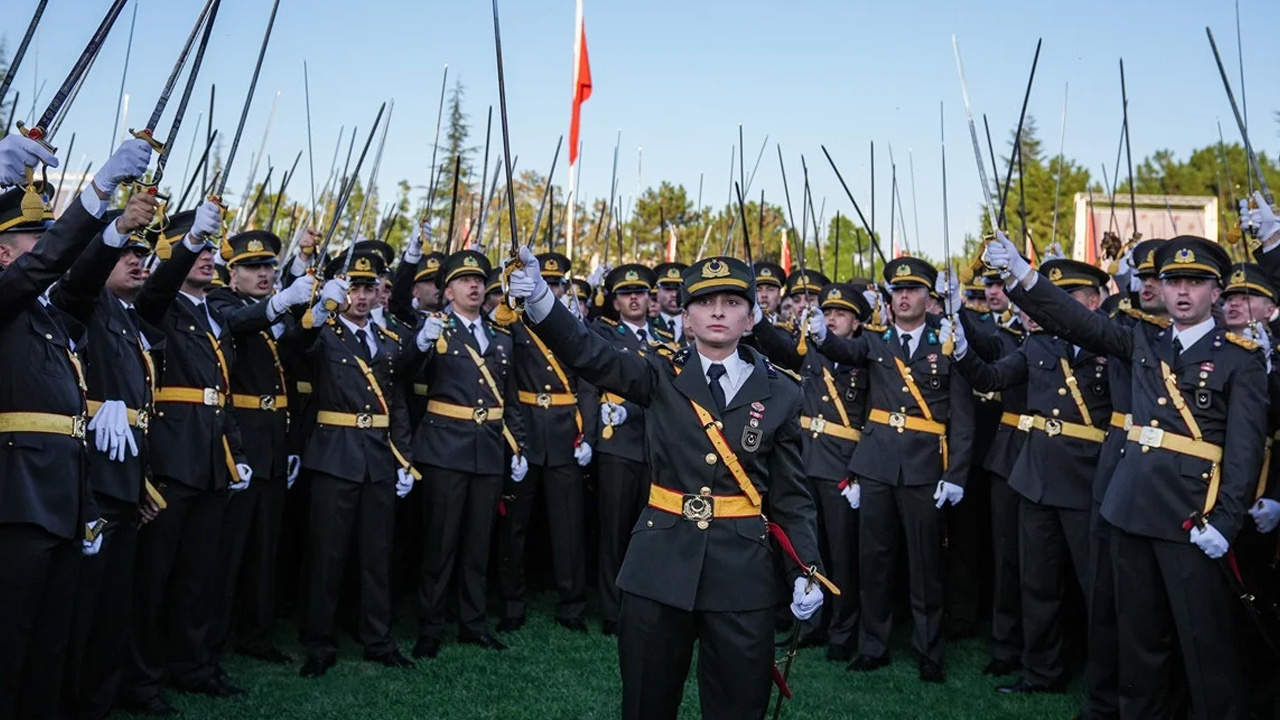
point(725, 435)
point(98, 292)
point(913, 459)
point(358, 457)
point(1187, 476)
point(198, 460)
point(470, 422)
point(1068, 411)
point(556, 422)
point(803, 287)
point(619, 437)
point(258, 322)
point(835, 409)
point(45, 504)
point(769, 278)
point(667, 295)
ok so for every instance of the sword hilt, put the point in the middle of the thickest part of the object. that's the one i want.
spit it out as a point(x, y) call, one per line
point(145, 134)
point(36, 133)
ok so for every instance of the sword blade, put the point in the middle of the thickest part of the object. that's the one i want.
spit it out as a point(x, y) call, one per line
point(346, 192)
point(179, 64)
point(1244, 131)
point(973, 135)
point(248, 100)
point(22, 49)
point(187, 91)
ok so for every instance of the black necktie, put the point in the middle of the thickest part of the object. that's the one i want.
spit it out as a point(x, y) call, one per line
point(1177, 348)
point(715, 372)
point(363, 350)
point(644, 340)
point(906, 346)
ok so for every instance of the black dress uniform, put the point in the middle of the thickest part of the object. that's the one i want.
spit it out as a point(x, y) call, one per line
point(621, 470)
point(1195, 447)
point(669, 276)
point(360, 441)
point(908, 447)
point(1068, 411)
point(700, 563)
point(260, 406)
point(460, 445)
point(835, 410)
point(118, 365)
point(194, 449)
point(44, 498)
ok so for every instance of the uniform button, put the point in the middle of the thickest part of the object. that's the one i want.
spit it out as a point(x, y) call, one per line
point(47, 336)
point(1155, 423)
point(191, 328)
point(550, 369)
point(1146, 449)
point(546, 387)
point(1204, 476)
point(1062, 391)
point(369, 388)
point(366, 407)
point(1055, 412)
point(650, 523)
point(1161, 401)
point(902, 409)
point(1204, 375)
point(704, 490)
point(710, 458)
point(825, 398)
point(1201, 383)
point(905, 389)
point(481, 381)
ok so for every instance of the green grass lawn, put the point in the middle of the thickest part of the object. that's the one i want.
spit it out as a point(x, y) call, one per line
point(554, 674)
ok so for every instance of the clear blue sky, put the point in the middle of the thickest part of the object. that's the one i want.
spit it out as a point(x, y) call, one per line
point(677, 76)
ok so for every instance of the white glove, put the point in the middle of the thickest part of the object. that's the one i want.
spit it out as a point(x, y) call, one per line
point(1054, 251)
point(432, 327)
point(111, 432)
point(404, 482)
point(527, 283)
point(872, 296)
point(298, 292)
point(1210, 541)
point(1001, 253)
point(1257, 332)
point(129, 161)
point(334, 291)
point(294, 465)
point(1124, 264)
point(949, 289)
point(1265, 514)
point(208, 221)
point(1262, 219)
point(954, 329)
point(756, 314)
point(519, 468)
point(948, 493)
point(91, 547)
point(613, 414)
point(413, 250)
point(597, 275)
point(853, 493)
point(806, 598)
point(582, 453)
point(18, 153)
point(246, 474)
point(818, 326)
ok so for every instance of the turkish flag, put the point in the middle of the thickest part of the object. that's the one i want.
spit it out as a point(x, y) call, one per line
point(581, 82)
point(785, 256)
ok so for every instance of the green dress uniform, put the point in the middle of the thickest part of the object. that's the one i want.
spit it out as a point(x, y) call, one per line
point(1195, 447)
point(699, 566)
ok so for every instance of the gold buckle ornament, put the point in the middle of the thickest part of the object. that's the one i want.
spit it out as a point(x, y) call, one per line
point(818, 425)
point(1151, 437)
point(544, 400)
point(1025, 422)
point(897, 420)
point(480, 415)
point(364, 421)
point(78, 426)
point(210, 397)
point(1053, 427)
point(699, 509)
point(144, 420)
point(267, 402)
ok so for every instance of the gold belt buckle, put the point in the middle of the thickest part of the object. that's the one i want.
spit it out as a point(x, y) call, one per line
point(210, 397)
point(1053, 427)
point(544, 400)
point(1151, 437)
point(897, 420)
point(480, 415)
point(364, 421)
point(699, 509)
point(78, 426)
point(818, 425)
point(144, 420)
point(1128, 421)
point(1025, 422)
point(267, 402)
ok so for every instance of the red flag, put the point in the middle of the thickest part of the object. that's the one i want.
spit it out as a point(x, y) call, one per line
point(1032, 256)
point(671, 243)
point(581, 82)
point(786, 254)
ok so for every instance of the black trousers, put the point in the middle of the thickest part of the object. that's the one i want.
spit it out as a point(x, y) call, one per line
point(563, 496)
point(1256, 555)
point(37, 587)
point(623, 487)
point(346, 515)
point(888, 513)
point(968, 537)
point(838, 543)
point(459, 515)
point(247, 567)
point(1102, 669)
point(1167, 593)
point(1006, 591)
point(1052, 540)
point(175, 582)
point(101, 622)
point(655, 646)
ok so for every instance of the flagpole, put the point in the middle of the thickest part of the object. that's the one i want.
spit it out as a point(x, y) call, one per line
point(574, 143)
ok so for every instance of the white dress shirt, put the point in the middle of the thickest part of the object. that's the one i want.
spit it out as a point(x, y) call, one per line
point(677, 324)
point(914, 342)
point(636, 329)
point(1192, 335)
point(368, 334)
point(142, 337)
point(482, 338)
point(203, 308)
point(736, 372)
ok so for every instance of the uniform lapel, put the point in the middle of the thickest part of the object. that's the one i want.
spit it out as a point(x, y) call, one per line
point(756, 386)
point(692, 382)
point(1200, 351)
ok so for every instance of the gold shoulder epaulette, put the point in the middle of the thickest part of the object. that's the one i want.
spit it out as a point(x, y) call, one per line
point(607, 321)
point(1242, 341)
point(789, 373)
point(875, 328)
point(395, 337)
point(1159, 321)
point(501, 329)
point(1012, 331)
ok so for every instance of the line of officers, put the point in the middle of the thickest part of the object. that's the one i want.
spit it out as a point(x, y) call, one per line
point(188, 432)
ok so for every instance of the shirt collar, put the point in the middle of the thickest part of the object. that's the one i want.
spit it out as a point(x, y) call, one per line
point(734, 366)
point(195, 300)
point(637, 328)
point(671, 318)
point(368, 329)
point(1192, 335)
point(915, 334)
